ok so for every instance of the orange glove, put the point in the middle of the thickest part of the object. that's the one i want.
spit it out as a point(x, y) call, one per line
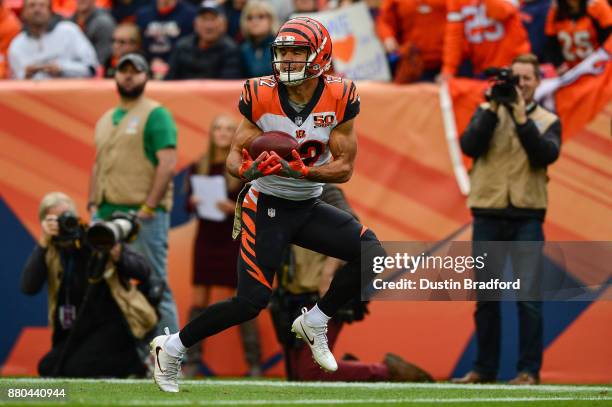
point(294, 168)
point(263, 165)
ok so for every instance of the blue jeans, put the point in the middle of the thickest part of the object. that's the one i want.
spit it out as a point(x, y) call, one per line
point(152, 243)
point(526, 263)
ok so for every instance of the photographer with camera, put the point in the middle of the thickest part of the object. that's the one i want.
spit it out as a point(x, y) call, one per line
point(95, 313)
point(512, 140)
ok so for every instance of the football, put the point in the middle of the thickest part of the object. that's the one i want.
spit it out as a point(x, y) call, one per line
point(277, 141)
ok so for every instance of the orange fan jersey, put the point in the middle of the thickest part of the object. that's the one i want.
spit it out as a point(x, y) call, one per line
point(488, 32)
point(579, 36)
point(419, 22)
point(10, 26)
point(265, 103)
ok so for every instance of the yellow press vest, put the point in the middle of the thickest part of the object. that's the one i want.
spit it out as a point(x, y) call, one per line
point(139, 314)
point(124, 174)
point(503, 176)
point(308, 270)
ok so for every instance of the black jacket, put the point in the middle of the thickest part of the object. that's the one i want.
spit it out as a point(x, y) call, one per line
point(220, 61)
point(542, 150)
point(102, 308)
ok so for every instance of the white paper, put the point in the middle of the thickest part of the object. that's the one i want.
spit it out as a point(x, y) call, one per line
point(209, 190)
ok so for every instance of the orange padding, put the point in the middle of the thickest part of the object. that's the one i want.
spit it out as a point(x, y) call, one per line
point(403, 188)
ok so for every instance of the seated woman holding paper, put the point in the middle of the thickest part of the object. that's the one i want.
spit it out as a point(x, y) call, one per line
point(215, 253)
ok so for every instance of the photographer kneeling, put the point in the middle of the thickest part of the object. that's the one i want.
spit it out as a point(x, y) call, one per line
point(95, 313)
point(512, 141)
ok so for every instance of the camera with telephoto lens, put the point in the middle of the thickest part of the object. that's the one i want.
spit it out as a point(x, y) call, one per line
point(504, 86)
point(69, 226)
point(122, 227)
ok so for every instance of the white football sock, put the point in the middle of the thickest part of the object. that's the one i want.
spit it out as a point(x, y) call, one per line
point(316, 317)
point(174, 347)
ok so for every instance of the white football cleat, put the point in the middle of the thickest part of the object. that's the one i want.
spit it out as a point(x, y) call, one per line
point(316, 338)
point(166, 367)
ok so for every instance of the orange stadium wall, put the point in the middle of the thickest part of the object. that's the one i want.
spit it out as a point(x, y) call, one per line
point(403, 188)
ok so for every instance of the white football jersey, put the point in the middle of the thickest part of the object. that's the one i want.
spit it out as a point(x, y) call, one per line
point(265, 103)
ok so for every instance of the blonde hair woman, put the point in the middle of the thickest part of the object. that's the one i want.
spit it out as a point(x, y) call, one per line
point(258, 24)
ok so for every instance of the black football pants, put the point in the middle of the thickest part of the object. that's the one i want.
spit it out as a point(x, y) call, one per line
point(269, 226)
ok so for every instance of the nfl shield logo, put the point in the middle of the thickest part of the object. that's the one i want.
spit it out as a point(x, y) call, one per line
point(298, 120)
point(271, 212)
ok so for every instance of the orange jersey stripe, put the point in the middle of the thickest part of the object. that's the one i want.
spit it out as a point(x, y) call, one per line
point(245, 245)
point(248, 222)
point(258, 274)
point(248, 204)
point(259, 278)
point(249, 238)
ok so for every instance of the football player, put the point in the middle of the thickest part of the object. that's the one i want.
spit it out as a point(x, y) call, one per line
point(487, 32)
point(281, 204)
point(576, 28)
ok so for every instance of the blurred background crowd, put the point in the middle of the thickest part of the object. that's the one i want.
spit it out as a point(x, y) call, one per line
point(229, 39)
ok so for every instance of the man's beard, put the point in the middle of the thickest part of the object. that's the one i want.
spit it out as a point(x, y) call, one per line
point(132, 94)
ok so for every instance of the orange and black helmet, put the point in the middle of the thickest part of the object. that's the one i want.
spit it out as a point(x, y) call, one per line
point(308, 33)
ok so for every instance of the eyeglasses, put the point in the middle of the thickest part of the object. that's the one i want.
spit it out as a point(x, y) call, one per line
point(257, 17)
point(123, 41)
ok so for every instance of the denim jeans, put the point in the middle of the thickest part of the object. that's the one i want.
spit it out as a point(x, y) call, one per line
point(527, 264)
point(152, 243)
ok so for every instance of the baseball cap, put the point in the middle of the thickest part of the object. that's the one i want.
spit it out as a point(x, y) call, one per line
point(210, 6)
point(137, 60)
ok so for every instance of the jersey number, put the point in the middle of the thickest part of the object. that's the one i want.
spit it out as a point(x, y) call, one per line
point(266, 82)
point(480, 28)
point(576, 46)
point(310, 152)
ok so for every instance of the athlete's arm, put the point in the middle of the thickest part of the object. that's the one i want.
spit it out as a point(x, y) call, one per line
point(343, 146)
point(238, 161)
point(245, 134)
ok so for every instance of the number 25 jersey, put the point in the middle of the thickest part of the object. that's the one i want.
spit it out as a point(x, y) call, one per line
point(265, 102)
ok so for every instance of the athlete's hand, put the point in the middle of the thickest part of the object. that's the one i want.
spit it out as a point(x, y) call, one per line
point(263, 165)
point(294, 168)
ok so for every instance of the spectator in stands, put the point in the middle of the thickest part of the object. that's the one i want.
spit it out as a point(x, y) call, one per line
point(233, 11)
point(67, 8)
point(133, 171)
point(258, 24)
point(98, 26)
point(302, 282)
point(576, 28)
point(161, 26)
point(305, 6)
point(215, 252)
point(283, 8)
point(486, 33)
point(93, 330)
point(208, 53)
point(533, 15)
point(126, 39)
point(10, 26)
point(50, 49)
point(512, 145)
point(413, 31)
point(124, 11)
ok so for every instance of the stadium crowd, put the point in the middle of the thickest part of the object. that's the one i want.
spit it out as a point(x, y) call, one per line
point(229, 39)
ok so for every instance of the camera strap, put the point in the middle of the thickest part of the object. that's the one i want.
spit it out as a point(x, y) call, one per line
point(67, 311)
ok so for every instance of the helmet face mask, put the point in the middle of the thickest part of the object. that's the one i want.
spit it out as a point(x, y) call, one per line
point(291, 72)
point(308, 34)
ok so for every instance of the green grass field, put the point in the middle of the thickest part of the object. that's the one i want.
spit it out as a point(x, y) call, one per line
point(279, 393)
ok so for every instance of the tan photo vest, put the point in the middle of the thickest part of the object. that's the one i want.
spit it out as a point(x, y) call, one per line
point(124, 174)
point(138, 312)
point(503, 174)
